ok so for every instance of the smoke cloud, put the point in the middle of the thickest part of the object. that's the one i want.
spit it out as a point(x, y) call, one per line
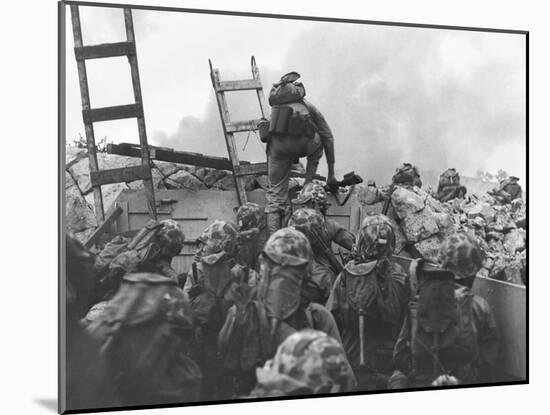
point(435, 98)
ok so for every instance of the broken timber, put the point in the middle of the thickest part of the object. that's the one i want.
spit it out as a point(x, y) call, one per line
point(193, 159)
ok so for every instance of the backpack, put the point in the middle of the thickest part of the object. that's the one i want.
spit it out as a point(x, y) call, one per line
point(449, 177)
point(144, 333)
point(287, 90)
point(443, 336)
point(407, 174)
point(120, 244)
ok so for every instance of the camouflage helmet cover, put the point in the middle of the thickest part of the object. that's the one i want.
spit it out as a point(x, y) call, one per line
point(312, 192)
point(376, 239)
point(170, 238)
point(288, 247)
point(312, 359)
point(218, 240)
point(460, 253)
point(249, 216)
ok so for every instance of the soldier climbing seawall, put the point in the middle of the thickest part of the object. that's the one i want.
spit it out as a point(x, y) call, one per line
point(296, 129)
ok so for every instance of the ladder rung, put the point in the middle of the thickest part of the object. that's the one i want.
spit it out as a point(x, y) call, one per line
point(243, 85)
point(120, 175)
point(112, 113)
point(251, 169)
point(241, 126)
point(105, 50)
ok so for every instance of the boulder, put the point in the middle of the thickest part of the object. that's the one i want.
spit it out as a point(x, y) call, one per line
point(74, 155)
point(166, 168)
point(79, 213)
point(513, 272)
point(483, 210)
point(420, 225)
point(226, 183)
point(514, 240)
point(158, 178)
point(183, 180)
point(405, 202)
point(200, 173)
point(81, 172)
point(213, 176)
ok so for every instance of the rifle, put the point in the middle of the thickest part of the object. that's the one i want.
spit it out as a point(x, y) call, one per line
point(350, 179)
point(335, 266)
point(387, 203)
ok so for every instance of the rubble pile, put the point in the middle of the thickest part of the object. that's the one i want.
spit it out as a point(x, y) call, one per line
point(79, 203)
point(423, 223)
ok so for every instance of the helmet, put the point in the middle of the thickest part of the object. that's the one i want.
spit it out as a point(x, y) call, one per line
point(376, 239)
point(288, 246)
point(460, 253)
point(217, 240)
point(249, 216)
point(311, 360)
point(308, 221)
point(314, 193)
point(170, 238)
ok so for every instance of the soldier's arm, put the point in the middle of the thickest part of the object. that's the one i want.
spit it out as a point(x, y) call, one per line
point(340, 235)
point(325, 133)
point(402, 355)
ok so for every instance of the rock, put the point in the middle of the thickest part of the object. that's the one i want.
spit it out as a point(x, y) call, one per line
point(483, 272)
point(513, 272)
point(69, 181)
point(514, 240)
point(429, 248)
point(184, 180)
point(81, 172)
point(498, 236)
point(158, 178)
point(520, 222)
point(406, 201)
point(497, 272)
point(213, 176)
point(200, 173)
point(495, 245)
point(420, 225)
point(226, 183)
point(483, 210)
point(78, 213)
point(73, 155)
point(166, 168)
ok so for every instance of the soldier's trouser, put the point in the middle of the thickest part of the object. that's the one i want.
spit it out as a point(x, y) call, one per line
point(282, 151)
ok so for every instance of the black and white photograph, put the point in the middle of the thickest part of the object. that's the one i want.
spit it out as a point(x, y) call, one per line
point(265, 207)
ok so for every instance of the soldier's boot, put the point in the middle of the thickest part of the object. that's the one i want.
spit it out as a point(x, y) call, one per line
point(273, 220)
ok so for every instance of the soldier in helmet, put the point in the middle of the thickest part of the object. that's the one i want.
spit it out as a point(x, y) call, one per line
point(151, 250)
point(312, 224)
point(368, 301)
point(314, 196)
point(449, 334)
point(215, 283)
point(297, 129)
point(252, 234)
point(252, 332)
point(509, 189)
point(307, 362)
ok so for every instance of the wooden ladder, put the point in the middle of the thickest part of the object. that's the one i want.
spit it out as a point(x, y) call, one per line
point(90, 115)
point(240, 170)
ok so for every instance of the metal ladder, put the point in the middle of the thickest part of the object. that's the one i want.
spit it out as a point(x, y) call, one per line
point(90, 115)
point(230, 128)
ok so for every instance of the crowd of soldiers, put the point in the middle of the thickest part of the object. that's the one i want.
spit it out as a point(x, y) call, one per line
point(268, 310)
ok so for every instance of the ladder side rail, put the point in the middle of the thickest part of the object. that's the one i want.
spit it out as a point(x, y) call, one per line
point(229, 139)
point(259, 92)
point(88, 126)
point(148, 185)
